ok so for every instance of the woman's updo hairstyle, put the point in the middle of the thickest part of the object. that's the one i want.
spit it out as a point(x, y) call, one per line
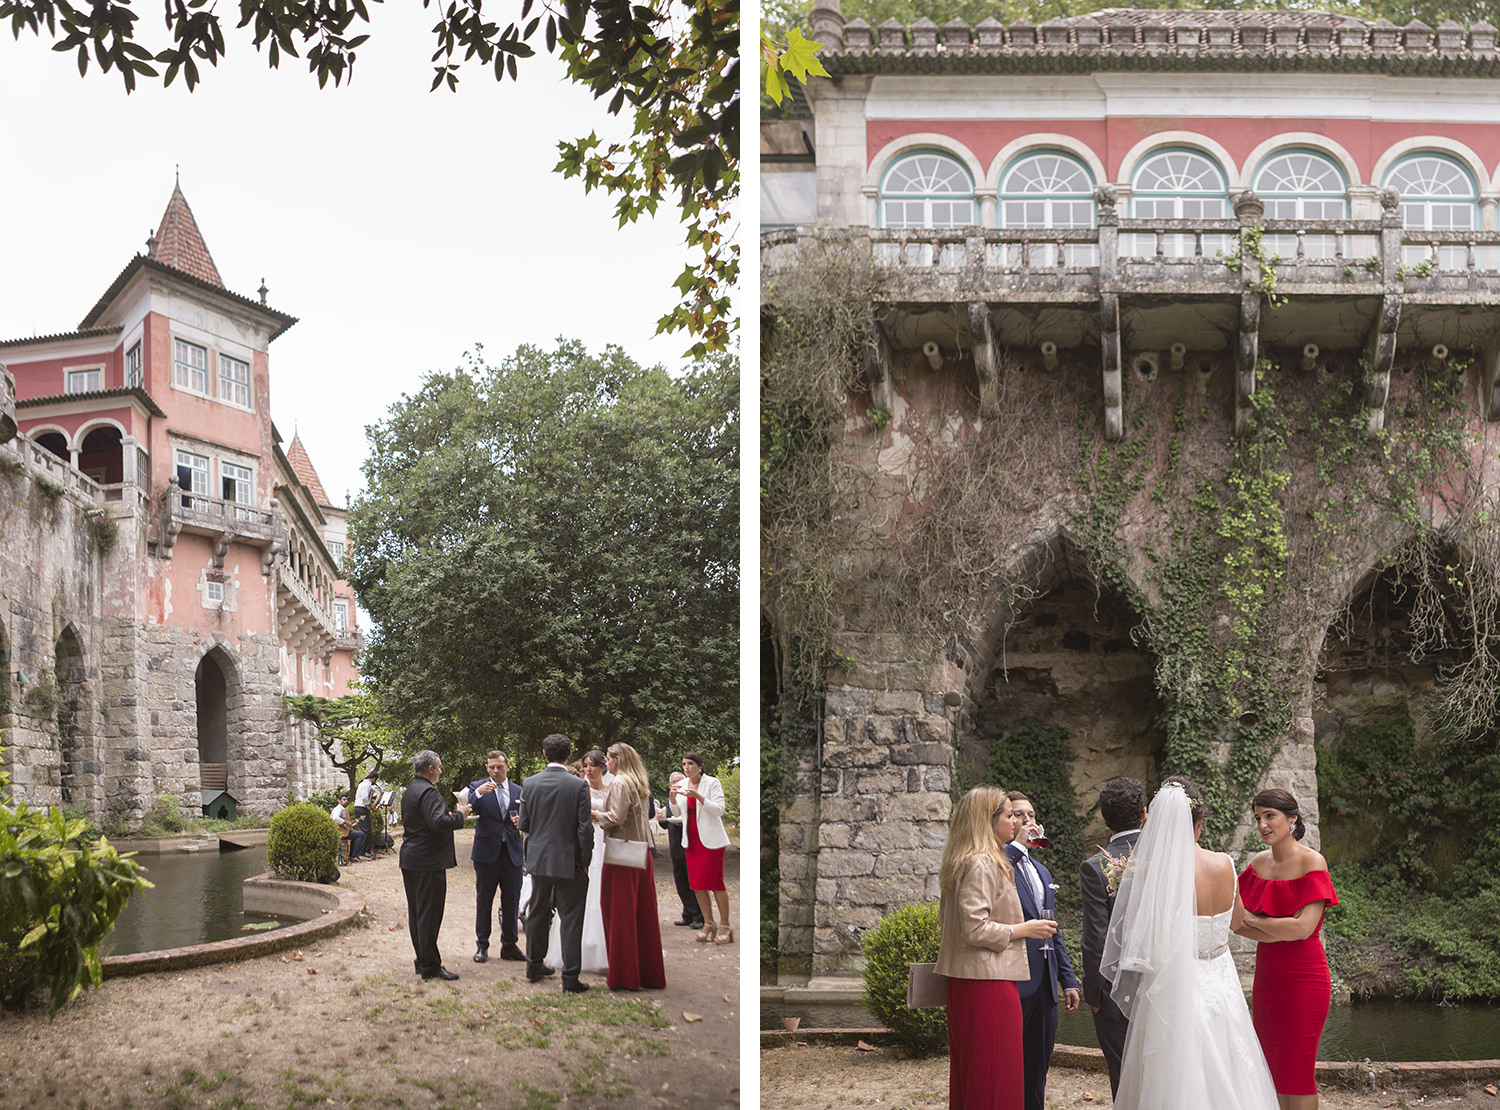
point(1281, 800)
point(1195, 796)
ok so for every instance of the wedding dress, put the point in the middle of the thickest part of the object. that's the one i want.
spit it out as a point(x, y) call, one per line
point(595, 958)
point(1191, 1044)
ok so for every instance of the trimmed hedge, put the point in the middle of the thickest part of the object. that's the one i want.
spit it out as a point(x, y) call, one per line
point(908, 936)
point(303, 844)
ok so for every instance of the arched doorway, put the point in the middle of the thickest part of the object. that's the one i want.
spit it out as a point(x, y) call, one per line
point(79, 770)
point(99, 456)
point(57, 443)
point(211, 687)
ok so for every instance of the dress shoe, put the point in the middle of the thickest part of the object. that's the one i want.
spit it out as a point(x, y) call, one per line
point(511, 952)
point(575, 987)
point(546, 971)
point(684, 921)
point(441, 973)
point(481, 955)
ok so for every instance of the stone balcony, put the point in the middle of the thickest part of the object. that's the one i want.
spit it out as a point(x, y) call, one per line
point(223, 520)
point(1186, 291)
point(302, 622)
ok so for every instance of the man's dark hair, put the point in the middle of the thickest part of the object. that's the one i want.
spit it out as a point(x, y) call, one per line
point(373, 775)
point(556, 748)
point(1121, 803)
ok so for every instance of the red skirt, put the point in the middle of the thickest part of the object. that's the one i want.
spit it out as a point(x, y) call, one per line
point(632, 930)
point(985, 1066)
point(705, 866)
point(1289, 1004)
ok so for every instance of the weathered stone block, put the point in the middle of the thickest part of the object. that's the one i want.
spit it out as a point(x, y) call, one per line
point(834, 863)
point(887, 836)
point(908, 754)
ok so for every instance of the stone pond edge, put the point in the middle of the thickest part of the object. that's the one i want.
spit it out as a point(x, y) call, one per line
point(326, 910)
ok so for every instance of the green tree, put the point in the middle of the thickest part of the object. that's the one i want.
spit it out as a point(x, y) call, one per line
point(673, 67)
point(550, 544)
point(353, 731)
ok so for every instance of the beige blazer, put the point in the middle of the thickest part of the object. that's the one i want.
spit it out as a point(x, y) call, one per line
point(976, 919)
point(623, 815)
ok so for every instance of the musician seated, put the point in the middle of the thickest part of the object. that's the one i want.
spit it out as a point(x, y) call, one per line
point(348, 830)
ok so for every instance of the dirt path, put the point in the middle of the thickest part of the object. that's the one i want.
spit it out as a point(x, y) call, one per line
point(837, 1078)
point(347, 1023)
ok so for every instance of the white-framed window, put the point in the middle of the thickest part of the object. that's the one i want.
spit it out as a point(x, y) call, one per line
point(239, 487)
point(1302, 185)
point(1178, 185)
point(1437, 194)
point(1049, 190)
point(213, 595)
point(86, 381)
point(341, 616)
point(336, 549)
point(234, 380)
point(927, 189)
point(134, 368)
point(192, 476)
point(190, 366)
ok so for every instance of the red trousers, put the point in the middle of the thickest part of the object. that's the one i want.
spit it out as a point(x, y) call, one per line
point(986, 1070)
point(632, 930)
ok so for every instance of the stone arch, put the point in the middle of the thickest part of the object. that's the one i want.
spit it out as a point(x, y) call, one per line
point(55, 440)
point(218, 688)
point(80, 767)
point(1065, 657)
point(101, 450)
point(1431, 144)
point(1306, 140)
point(894, 150)
point(1192, 140)
point(1045, 141)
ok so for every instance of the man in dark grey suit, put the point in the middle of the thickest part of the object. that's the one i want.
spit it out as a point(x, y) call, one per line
point(426, 855)
point(1122, 804)
point(559, 833)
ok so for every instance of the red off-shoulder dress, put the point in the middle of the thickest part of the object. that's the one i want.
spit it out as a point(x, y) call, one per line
point(1289, 1002)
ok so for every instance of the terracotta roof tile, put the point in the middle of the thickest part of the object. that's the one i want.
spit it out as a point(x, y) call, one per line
point(180, 244)
point(306, 473)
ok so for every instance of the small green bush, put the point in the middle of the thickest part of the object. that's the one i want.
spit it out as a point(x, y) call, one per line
point(327, 799)
point(165, 817)
point(303, 844)
point(60, 893)
point(908, 936)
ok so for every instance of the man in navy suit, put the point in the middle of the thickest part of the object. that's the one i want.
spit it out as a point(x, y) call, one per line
point(1039, 994)
point(497, 857)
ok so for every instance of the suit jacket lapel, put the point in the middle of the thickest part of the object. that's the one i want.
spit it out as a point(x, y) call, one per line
point(1023, 885)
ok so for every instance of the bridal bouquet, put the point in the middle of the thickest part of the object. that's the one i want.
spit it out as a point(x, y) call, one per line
point(1114, 868)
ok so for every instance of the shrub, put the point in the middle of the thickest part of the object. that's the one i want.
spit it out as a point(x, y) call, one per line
point(327, 799)
point(60, 893)
point(165, 817)
point(908, 936)
point(303, 844)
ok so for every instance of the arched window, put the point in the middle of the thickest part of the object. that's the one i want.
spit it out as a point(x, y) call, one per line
point(1301, 185)
point(1179, 185)
point(1437, 194)
point(1049, 190)
point(927, 189)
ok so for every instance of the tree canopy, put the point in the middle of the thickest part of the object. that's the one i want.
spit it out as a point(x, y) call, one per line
point(353, 731)
point(551, 544)
point(673, 66)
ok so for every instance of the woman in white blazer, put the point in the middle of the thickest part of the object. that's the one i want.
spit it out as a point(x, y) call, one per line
point(699, 801)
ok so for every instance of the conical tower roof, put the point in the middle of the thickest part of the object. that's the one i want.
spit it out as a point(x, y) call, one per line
point(303, 468)
point(180, 244)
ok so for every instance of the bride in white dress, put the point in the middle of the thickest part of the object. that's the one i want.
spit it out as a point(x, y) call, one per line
point(594, 957)
point(1191, 1044)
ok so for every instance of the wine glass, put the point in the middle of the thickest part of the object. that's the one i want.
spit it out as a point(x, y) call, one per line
point(1037, 836)
point(1047, 915)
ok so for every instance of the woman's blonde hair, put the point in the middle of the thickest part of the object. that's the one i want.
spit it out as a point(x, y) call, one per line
point(971, 834)
point(630, 767)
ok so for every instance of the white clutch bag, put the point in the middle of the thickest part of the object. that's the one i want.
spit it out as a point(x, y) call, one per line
point(625, 853)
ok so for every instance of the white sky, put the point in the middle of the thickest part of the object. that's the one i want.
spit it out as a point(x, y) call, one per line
point(400, 227)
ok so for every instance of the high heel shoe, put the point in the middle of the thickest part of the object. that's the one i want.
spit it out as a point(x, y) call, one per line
point(705, 934)
point(726, 935)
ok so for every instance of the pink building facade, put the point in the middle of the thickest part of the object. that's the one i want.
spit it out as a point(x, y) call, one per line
point(186, 569)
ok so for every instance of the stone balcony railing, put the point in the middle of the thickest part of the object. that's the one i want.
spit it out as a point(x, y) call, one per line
point(1141, 286)
point(303, 623)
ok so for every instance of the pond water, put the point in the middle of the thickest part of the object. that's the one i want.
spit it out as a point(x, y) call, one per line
point(197, 898)
point(1381, 1031)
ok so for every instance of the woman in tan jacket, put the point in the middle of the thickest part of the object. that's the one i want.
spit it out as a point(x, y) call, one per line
point(980, 915)
point(627, 895)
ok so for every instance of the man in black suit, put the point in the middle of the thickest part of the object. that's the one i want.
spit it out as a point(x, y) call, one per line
point(692, 915)
point(1048, 959)
point(426, 854)
point(496, 856)
point(1122, 804)
point(559, 834)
